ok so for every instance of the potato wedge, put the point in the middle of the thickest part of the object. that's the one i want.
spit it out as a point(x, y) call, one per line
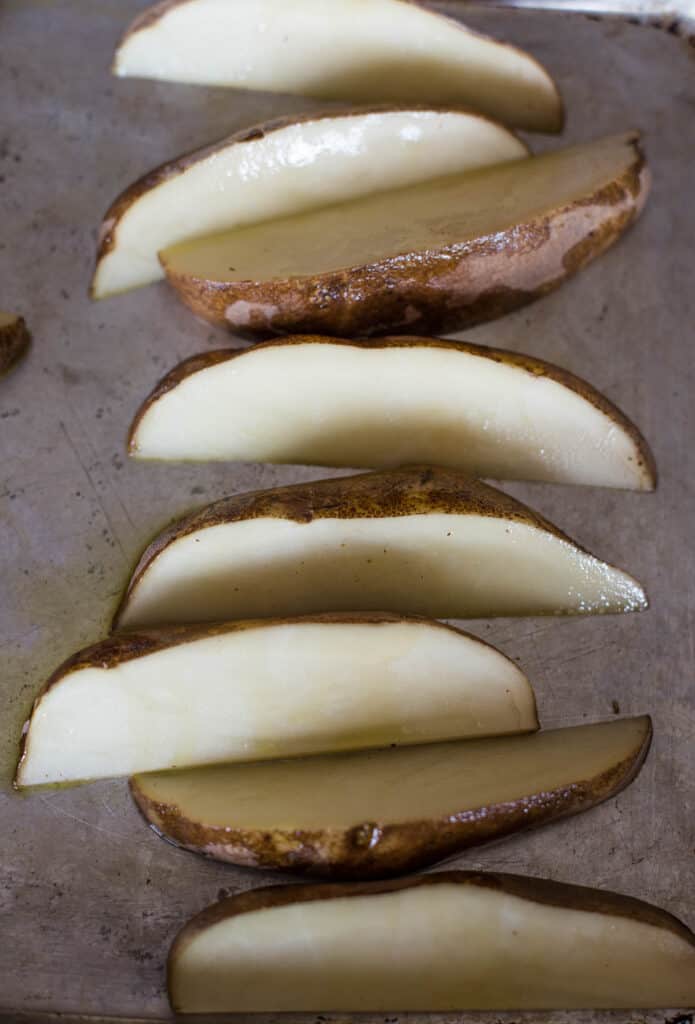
point(457, 940)
point(434, 257)
point(247, 690)
point(421, 539)
point(285, 166)
point(14, 340)
point(353, 815)
point(383, 50)
point(321, 401)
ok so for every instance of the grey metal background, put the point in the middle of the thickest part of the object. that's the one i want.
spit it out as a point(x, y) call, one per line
point(89, 898)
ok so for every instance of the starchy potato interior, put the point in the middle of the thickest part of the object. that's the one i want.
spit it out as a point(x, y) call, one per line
point(435, 947)
point(437, 564)
point(428, 216)
point(393, 786)
point(375, 51)
point(274, 690)
point(312, 162)
point(322, 403)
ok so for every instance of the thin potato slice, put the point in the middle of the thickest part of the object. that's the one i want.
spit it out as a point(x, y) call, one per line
point(248, 690)
point(282, 167)
point(386, 812)
point(434, 257)
point(379, 50)
point(422, 540)
point(321, 401)
point(451, 941)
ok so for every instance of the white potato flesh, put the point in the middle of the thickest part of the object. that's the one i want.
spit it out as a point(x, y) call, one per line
point(357, 50)
point(438, 564)
point(323, 403)
point(429, 215)
point(309, 163)
point(435, 947)
point(341, 791)
point(274, 690)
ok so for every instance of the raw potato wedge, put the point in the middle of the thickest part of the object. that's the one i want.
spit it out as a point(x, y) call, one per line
point(421, 539)
point(378, 50)
point(434, 257)
point(321, 401)
point(14, 340)
point(283, 167)
point(248, 690)
point(355, 815)
point(456, 940)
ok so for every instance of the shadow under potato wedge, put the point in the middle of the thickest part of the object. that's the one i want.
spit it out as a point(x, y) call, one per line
point(315, 400)
point(435, 257)
point(241, 691)
point(423, 540)
point(386, 812)
point(284, 166)
point(457, 940)
point(383, 50)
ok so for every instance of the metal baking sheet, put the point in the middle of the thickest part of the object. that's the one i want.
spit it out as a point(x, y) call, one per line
point(89, 898)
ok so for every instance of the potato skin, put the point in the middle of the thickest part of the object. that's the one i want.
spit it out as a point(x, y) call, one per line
point(531, 364)
point(536, 890)
point(438, 291)
point(372, 850)
point(14, 341)
point(410, 490)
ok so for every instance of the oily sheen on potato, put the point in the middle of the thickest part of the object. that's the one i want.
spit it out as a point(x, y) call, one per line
point(438, 256)
point(380, 50)
point(282, 167)
point(422, 540)
point(321, 401)
point(248, 690)
point(14, 340)
point(386, 812)
point(455, 940)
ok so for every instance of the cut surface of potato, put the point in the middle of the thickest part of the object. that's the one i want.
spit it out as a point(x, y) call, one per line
point(379, 50)
point(441, 255)
point(449, 941)
point(385, 812)
point(248, 690)
point(283, 167)
point(14, 340)
point(316, 400)
point(421, 539)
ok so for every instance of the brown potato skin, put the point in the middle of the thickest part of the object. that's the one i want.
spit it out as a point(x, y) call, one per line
point(410, 490)
point(420, 293)
point(108, 229)
point(14, 342)
point(536, 367)
point(535, 890)
point(372, 850)
point(126, 646)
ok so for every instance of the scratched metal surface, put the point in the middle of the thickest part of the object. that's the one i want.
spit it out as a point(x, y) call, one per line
point(89, 898)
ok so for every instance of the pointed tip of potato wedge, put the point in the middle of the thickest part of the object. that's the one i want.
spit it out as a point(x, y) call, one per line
point(14, 340)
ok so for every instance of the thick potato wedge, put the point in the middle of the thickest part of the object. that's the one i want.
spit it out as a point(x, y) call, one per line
point(14, 340)
point(247, 690)
point(383, 50)
point(283, 167)
point(422, 539)
point(355, 816)
point(455, 940)
point(321, 401)
point(439, 256)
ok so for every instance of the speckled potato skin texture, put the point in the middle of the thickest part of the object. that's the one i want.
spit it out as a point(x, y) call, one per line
point(532, 365)
point(536, 890)
point(440, 290)
point(14, 341)
point(373, 850)
point(410, 490)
